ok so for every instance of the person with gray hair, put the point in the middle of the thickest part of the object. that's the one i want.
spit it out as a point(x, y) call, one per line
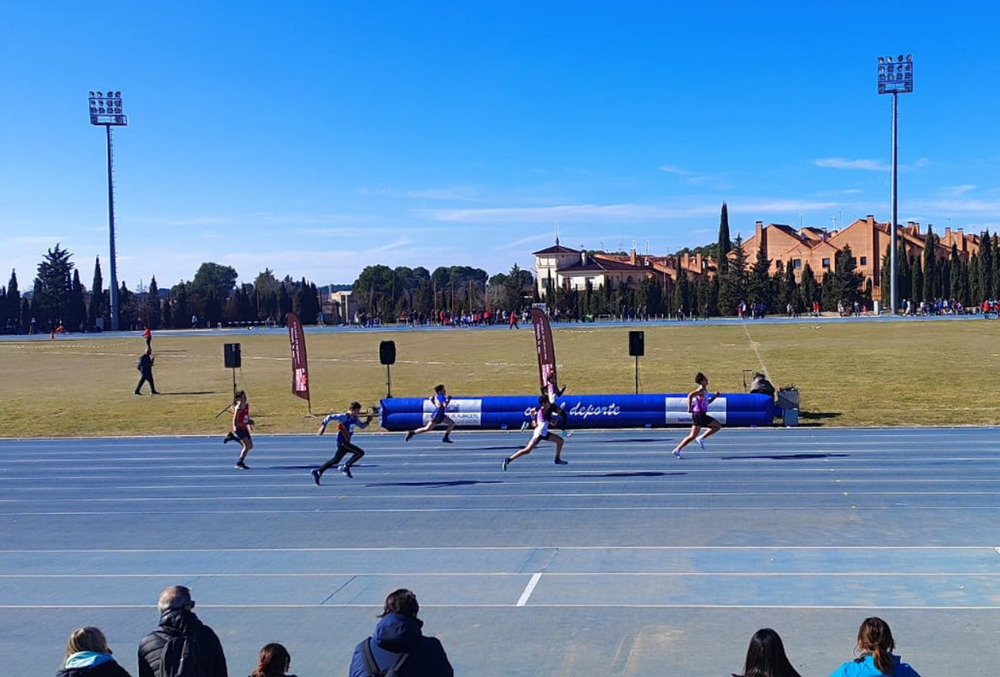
point(181, 645)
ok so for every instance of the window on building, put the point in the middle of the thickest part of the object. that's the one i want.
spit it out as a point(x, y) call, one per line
point(864, 260)
point(826, 263)
point(797, 264)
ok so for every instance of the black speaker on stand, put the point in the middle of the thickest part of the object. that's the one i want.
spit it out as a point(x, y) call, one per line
point(636, 347)
point(233, 360)
point(387, 356)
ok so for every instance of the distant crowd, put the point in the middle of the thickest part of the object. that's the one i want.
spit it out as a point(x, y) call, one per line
point(183, 646)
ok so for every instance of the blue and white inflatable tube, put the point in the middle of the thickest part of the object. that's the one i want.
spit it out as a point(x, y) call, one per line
point(582, 411)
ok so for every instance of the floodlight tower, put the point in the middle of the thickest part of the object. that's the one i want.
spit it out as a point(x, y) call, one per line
point(106, 109)
point(894, 77)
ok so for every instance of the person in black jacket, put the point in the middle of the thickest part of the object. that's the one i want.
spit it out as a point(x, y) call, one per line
point(88, 655)
point(180, 637)
point(398, 637)
point(145, 367)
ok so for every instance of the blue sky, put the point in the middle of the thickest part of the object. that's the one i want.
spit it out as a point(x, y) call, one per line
point(316, 138)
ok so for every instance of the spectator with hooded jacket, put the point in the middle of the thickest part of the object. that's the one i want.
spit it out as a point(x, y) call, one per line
point(88, 655)
point(398, 633)
point(190, 640)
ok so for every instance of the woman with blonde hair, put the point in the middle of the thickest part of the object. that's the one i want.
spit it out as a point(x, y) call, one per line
point(875, 644)
point(88, 655)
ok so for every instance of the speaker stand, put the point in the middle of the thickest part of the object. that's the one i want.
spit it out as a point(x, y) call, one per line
point(234, 383)
point(388, 381)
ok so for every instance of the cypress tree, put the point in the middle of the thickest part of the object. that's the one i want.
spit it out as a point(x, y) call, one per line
point(95, 309)
point(931, 288)
point(725, 244)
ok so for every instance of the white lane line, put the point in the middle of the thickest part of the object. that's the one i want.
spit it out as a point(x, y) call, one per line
point(528, 589)
point(378, 605)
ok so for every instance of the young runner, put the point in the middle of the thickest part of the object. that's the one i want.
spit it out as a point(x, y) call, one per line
point(440, 399)
point(697, 403)
point(345, 430)
point(242, 427)
point(540, 417)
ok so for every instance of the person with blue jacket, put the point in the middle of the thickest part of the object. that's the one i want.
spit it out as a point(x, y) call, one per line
point(88, 655)
point(345, 430)
point(875, 644)
point(399, 641)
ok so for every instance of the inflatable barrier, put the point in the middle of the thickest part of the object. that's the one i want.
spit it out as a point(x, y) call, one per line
point(583, 411)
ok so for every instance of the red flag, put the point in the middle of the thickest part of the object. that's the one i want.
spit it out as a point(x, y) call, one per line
point(300, 370)
point(546, 349)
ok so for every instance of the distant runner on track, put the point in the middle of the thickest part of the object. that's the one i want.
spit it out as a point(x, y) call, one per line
point(697, 403)
point(440, 399)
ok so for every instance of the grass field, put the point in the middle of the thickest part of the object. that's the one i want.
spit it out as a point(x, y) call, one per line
point(858, 373)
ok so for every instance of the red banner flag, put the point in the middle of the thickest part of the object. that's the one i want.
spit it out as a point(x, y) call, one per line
point(300, 370)
point(546, 349)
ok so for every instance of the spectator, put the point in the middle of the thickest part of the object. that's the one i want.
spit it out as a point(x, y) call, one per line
point(766, 657)
point(88, 655)
point(398, 639)
point(145, 367)
point(180, 639)
point(875, 644)
point(274, 661)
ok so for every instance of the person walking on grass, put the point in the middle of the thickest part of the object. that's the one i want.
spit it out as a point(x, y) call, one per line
point(541, 416)
point(440, 399)
point(242, 428)
point(697, 403)
point(145, 367)
point(345, 430)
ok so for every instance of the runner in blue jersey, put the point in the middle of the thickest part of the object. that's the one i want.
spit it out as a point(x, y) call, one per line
point(345, 430)
point(440, 399)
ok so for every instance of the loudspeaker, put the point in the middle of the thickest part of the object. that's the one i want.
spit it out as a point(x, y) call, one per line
point(636, 343)
point(231, 353)
point(387, 352)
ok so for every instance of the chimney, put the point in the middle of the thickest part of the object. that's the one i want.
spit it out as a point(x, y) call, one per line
point(583, 257)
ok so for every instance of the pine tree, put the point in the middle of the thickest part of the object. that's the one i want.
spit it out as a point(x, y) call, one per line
point(14, 304)
point(53, 284)
point(986, 264)
point(154, 313)
point(733, 284)
point(759, 289)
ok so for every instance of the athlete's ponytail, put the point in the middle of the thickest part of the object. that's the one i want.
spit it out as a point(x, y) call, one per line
point(875, 638)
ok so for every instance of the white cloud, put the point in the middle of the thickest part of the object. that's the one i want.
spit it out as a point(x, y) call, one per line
point(844, 163)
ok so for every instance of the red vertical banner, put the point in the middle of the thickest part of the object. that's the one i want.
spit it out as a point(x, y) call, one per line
point(300, 368)
point(544, 346)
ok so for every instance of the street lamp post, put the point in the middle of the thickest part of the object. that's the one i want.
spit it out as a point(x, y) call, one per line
point(106, 109)
point(894, 77)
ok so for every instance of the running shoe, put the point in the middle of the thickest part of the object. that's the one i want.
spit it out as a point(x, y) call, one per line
point(344, 470)
point(447, 439)
point(677, 453)
point(316, 475)
point(559, 461)
point(506, 462)
point(409, 435)
point(701, 442)
point(240, 465)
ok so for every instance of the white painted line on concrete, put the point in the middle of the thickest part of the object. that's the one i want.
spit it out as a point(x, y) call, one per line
point(528, 589)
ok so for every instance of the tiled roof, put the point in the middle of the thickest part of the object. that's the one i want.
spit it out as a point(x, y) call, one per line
point(556, 249)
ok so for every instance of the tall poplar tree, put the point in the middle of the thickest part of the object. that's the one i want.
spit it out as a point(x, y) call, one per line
point(96, 308)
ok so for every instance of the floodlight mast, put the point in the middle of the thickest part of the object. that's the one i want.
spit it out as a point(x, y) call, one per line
point(106, 110)
point(894, 77)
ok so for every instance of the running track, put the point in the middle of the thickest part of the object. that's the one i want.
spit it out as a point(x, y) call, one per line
point(625, 562)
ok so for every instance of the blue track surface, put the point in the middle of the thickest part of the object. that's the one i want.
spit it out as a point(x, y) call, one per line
point(625, 562)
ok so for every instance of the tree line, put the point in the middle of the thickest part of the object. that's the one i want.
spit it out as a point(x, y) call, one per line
point(212, 297)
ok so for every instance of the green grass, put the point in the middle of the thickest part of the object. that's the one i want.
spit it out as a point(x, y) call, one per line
point(848, 373)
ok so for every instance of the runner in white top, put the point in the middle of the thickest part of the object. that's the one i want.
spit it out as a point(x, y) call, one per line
point(541, 417)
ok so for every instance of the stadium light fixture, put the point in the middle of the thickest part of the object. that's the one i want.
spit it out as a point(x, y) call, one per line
point(106, 110)
point(894, 77)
